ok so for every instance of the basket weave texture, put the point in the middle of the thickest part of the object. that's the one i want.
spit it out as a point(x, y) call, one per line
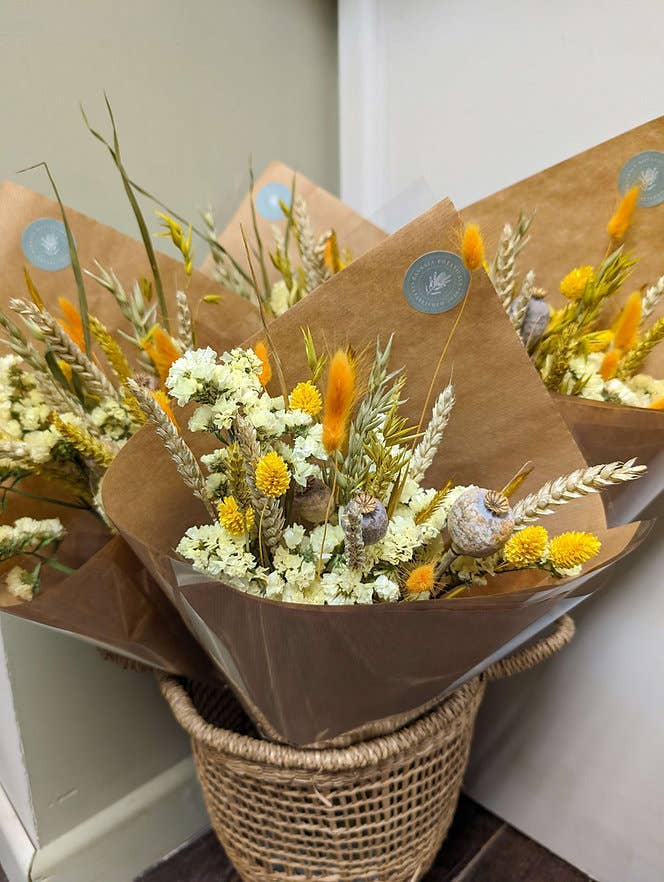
point(377, 811)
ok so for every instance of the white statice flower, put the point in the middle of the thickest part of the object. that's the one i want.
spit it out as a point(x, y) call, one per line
point(385, 589)
point(345, 586)
point(402, 539)
point(21, 583)
point(298, 572)
point(212, 550)
point(294, 535)
point(473, 569)
point(112, 420)
point(333, 542)
point(617, 390)
point(190, 374)
point(28, 534)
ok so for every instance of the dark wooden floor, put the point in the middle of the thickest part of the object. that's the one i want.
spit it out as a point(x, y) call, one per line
point(479, 848)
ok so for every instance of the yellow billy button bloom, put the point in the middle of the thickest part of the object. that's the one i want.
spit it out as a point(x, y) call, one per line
point(525, 548)
point(574, 283)
point(421, 579)
point(307, 398)
point(569, 550)
point(472, 247)
point(272, 476)
point(236, 521)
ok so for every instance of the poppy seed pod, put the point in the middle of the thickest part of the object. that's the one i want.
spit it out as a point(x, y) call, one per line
point(374, 518)
point(311, 502)
point(480, 522)
point(535, 321)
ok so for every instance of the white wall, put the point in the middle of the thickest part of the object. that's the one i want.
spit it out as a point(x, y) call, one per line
point(475, 96)
point(472, 97)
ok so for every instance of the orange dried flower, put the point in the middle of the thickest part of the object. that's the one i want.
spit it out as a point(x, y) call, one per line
point(164, 403)
point(421, 579)
point(626, 327)
point(71, 322)
point(610, 364)
point(266, 374)
point(657, 404)
point(622, 218)
point(339, 400)
point(472, 247)
point(162, 349)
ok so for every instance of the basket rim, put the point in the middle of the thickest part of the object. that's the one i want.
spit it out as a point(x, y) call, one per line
point(359, 755)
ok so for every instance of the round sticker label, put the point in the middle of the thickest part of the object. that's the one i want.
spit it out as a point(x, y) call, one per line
point(647, 171)
point(269, 197)
point(436, 282)
point(44, 243)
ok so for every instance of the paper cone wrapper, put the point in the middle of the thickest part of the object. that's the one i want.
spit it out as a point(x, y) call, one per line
point(325, 210)
point(311, 674)
point(110, 600)
point(573, 202)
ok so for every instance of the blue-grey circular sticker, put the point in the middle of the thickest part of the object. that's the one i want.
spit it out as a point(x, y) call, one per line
point(44, 243)
point(436, 281)
point(647, 171)
point(269, 197)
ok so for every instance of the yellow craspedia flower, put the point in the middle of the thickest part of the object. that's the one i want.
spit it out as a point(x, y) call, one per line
point(421, 579)
point(574, 283)
point(569, 550)
point(231, 516)
point(472, 247)
point(306, 397)
point(526, 547)
point(272, 476)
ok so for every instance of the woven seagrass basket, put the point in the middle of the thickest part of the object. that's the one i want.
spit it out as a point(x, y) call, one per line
point(377, 811)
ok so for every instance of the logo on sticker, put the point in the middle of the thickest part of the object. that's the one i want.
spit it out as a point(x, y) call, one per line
point(645, 170)
point(269, 198)
point(436, 282)
point(44, 243)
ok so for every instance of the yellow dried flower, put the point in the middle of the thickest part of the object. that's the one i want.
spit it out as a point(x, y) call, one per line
point(164, 403)
point(619, 223)
point(597, 341)
point(306, 397)
point(421, 579)
point(266, 373)
point(657, 404)
point(272, 476)
point(236, 521)
point(609, 364)
point(626, 326)
point(569, 550)
point(526, 547)
point(472, 247)
point(574, 283)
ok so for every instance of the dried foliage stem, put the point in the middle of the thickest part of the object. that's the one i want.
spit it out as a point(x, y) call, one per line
point(578, 483)
point(425, 452)
point(184, 459)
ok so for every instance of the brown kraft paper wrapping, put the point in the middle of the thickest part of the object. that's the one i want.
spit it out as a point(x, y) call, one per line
point(325, 210)
point(310, 674)
point(573, 202)
point(110, 599)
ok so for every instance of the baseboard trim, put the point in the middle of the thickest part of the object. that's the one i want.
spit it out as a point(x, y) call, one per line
point(16, 848)
point(120, 842)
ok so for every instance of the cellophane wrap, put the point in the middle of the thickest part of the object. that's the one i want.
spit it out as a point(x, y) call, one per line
point(309, 675)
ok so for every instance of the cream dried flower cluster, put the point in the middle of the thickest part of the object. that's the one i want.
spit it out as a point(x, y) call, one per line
point(28, 538)
point(318, 495)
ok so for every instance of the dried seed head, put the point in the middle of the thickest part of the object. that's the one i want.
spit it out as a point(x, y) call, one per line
point(366, 502)
point(496, 502)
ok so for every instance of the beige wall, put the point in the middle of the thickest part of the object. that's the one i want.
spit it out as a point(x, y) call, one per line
point(196, 88)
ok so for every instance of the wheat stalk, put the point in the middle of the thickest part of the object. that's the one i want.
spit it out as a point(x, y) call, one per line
point(634, 358)
point(578, 483)
point(65, 348)
point(86, 444)
point(426, 450)
point(312, 261)
point(351, 523)
point(503, 269)
point(110, 348)
point(519, 307)
point(185, 323)
point(184, 459)
point(269, 510)
point(651, 298)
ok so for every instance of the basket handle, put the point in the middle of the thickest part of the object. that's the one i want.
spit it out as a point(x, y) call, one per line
point(532, 655)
